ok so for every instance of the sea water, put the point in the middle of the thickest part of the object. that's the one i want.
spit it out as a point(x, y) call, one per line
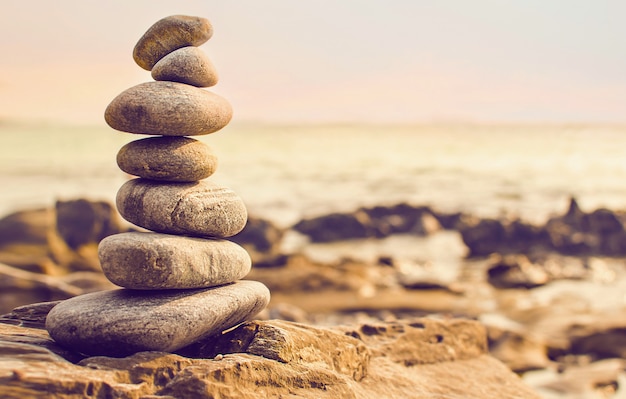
point(286, 173)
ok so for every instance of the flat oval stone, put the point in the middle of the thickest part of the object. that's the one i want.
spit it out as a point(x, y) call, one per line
point(203, 209)
point(188, 65)
point(169, 34)
point(122, 322)
point(178, 159)
point(148, 261)
point(168, 109)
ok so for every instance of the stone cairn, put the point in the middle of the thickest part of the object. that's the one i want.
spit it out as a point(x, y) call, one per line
point(181, 280)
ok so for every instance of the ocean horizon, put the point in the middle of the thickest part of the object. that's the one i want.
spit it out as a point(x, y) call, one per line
point(286, 172)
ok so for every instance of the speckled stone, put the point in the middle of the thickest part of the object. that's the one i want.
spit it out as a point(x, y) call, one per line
point(178, 159)
point(161, 261)
point(202, 209)
point(169, 34)
point(188, 65)
point(122, 322)
point(168, 109)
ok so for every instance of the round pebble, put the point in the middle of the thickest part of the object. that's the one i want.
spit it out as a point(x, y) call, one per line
point(168, 109)
point(149, 261)
point(166, 158)
point(169, 34)
point(122, 322)
point(188, 65)
point(203, 209)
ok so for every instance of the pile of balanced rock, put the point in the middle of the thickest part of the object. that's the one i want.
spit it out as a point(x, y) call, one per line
point(181, 279)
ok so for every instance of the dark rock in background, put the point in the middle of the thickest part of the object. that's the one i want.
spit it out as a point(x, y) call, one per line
point(259, 235)
point(375, 222)
point(337, 226)
point(80, 222)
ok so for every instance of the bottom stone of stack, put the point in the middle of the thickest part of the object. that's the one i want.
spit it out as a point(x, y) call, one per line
point(122, 322)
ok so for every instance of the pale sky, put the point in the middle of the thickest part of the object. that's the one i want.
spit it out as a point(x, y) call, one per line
point(332, 60)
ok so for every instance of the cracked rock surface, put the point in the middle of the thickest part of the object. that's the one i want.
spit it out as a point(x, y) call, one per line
point(421, 358)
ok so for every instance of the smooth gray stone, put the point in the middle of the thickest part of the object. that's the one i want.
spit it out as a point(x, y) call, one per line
point(188, 65)
point(122, 322)
point(180, 159)
point(168, 109)
point(201, 209)
point(160, 261)
point(169, 34)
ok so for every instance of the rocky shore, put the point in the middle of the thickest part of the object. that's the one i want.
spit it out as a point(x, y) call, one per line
point(417, 359)
point(549, 297)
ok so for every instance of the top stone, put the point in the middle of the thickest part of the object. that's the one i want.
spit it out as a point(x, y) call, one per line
point(169, 34)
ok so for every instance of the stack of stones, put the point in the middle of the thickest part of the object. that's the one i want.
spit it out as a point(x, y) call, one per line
point(181, 279)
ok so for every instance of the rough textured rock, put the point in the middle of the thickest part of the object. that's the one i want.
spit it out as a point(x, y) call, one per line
point(288, 342)
point(169, 34)
point(179, 159)
point(188, 65)
point(160, 261)
point(423, 341)
point(275, 359)
point(122, 322)
point(17, 339)
point(202, 209)
point(168, 109)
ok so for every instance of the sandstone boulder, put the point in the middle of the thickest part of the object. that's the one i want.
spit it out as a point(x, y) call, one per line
point(418, 358)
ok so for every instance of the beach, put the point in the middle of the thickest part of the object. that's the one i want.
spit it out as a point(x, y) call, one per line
point(534, 302)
